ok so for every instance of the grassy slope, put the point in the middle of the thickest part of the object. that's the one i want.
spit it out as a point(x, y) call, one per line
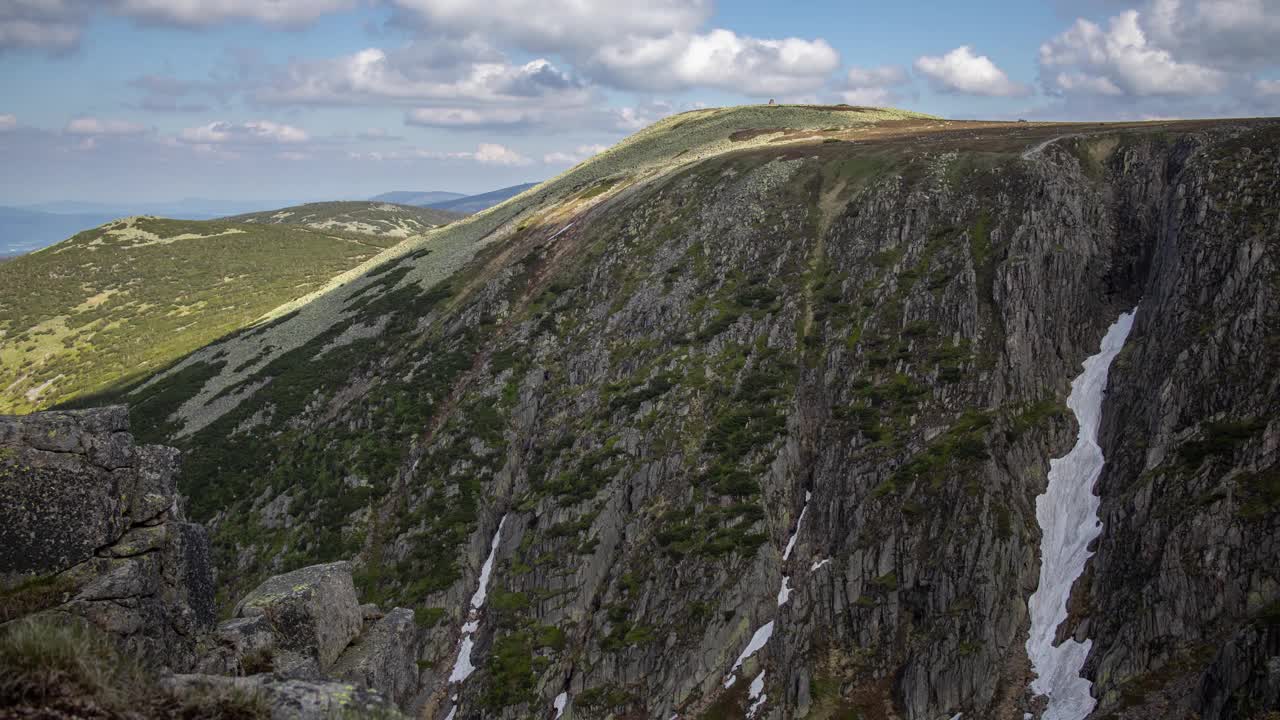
point(359, 216)
point(662, 148)
point(125, 299)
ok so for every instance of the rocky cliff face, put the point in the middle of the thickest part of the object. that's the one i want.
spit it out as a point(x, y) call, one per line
point(91, 527)
point(654, 383)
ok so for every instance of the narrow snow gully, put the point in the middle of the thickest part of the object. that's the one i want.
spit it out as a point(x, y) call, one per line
point(462, 667)
point(764, 632)
point(1068, 516)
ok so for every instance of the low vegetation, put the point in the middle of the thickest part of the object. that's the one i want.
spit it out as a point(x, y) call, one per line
point(114, 304)
point(380, 219)
point(66, 669)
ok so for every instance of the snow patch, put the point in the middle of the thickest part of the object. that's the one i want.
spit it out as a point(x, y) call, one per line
point(462, 667)
point(1068, 516)
point(559, 703)
point(791, 542)
point(785, 593)
point(757, 641)
point(765, 632)
point(756, 694)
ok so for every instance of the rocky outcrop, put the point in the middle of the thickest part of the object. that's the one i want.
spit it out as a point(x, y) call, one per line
point(95, 532)
point(91, 526)
point(301, 641)
point(292, 699)
point(385, 656)
point(312, 613)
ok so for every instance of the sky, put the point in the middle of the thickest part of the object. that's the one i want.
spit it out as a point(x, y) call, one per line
point(282, 101)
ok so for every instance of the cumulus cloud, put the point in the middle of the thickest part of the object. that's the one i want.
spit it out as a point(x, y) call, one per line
point(374, 74)
point(485, 154)
point(52, 25)
point(87, 125)
point(8, 121)
point(57, 25)
point(494, 154)
point(717, 59)
point(454, 117)
point(631, 118)
point(577, 155)
point(874, 86)
point(962, 71)
point(560, 25)
point(657, 45)
point(198, 13)
point(248, 133)
point(1120, 60)
point(1226, 33)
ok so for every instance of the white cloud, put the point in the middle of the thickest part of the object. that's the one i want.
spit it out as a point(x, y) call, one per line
point(53, 25)
point(1262, 87)
point(57, 25)
point(375, 74)
point(8, 121)
point(485, 154)
point(561, 25)
point(716, 59)
point(655, 45)
point(292, 156)
point(198, 13)
point(1120, 61)
point(86, 125)
point(577, 155)
point(1237, 33)
point(469, 117)
point(874, 86)
point(252, 132)
point(884, 76)
point(494, 154)
point(961, 71)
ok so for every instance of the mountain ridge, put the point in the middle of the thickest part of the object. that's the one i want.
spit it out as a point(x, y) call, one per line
point(414, 197)
point(822, 349)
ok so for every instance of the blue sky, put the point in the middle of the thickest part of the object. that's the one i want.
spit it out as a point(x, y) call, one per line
point(293, 100)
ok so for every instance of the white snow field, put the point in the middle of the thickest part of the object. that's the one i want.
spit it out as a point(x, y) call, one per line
point(1068, 516)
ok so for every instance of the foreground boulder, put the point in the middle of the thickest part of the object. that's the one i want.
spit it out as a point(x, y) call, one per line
point(292, 699)
point(313, 612)
point(91, 527)
point(385, 657)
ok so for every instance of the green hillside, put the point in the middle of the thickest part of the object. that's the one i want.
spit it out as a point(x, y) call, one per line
point(127, 298)
point(365, 217)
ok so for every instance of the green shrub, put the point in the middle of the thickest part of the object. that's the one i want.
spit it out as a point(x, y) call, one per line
point(1219, 438)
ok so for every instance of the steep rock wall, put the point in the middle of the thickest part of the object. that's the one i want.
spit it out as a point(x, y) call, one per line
point(649, 393)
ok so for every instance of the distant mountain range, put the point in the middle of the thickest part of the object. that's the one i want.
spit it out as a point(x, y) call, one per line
point(454, 202)
point(22, 230)
point(31, 227)
point(483, 201)
point(421, 199)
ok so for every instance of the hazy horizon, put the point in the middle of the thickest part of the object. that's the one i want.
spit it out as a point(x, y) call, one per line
point(345, 99)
